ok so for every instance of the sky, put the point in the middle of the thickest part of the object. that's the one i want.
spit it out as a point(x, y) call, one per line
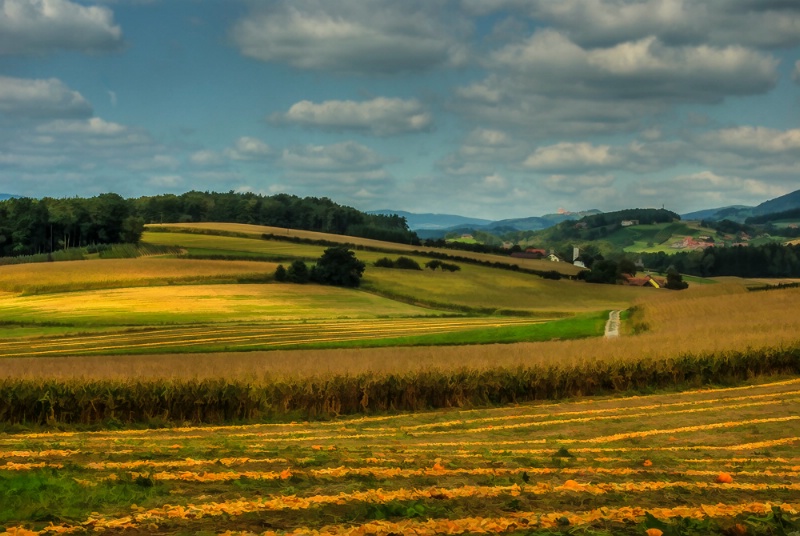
point(485, 108)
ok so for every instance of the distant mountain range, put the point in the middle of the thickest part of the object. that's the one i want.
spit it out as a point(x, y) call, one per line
point(438, 225)
point(3, 197)
point(433, 221)
point(739, 213)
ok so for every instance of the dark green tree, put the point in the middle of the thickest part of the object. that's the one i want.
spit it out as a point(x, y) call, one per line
point(280, 274)
point(298, 272)
point(338, 266)
point(675, 280)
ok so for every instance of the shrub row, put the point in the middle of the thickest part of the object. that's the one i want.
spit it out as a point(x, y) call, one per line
point(217, 401)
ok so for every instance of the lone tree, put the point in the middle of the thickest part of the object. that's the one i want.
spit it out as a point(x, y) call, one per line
point(338, 266)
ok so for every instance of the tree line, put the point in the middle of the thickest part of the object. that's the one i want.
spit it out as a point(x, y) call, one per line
point(29, 226)
point(768, 260)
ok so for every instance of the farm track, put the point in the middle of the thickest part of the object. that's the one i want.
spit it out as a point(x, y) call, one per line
point(246, 336)
point(714, 457)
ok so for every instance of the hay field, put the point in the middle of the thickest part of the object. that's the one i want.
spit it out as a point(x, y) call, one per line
point(711, 462)
point(257, 230)
point(709, 320)
point(110, 273)
point(154, 306)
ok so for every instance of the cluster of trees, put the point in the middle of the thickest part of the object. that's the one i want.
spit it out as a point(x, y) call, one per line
point(30, 226)
point(598, 226)
point(281, 210)
point(444, 266)
point(401, 263)
point(768, 260)
point(337, 266)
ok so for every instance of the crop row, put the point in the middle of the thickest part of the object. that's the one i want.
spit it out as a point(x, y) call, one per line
point(220, 401)
point(654, 465)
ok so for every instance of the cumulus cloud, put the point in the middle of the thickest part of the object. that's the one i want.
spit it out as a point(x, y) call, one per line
point(550, 85)
point(35, 27)
point(93, 132)
point(347, 36)
point(205, 158)
point(719, 22)
point(348, 169)
point(571, 156)
point(380, 116)
point(481, 152)
point(247, 148)
point(754, 139)
point(41, 98)
point(707, 188)
point(549, 63)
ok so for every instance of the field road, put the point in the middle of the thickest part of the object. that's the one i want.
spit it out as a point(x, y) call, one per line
point(612, 326)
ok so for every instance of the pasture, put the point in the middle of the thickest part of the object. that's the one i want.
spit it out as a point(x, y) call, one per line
point(710, 461)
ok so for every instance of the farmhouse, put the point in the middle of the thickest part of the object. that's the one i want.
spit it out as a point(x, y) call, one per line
point(642, 281)
point(628, 223)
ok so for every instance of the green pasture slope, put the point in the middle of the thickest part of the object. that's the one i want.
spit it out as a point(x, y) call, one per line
point(200, 313)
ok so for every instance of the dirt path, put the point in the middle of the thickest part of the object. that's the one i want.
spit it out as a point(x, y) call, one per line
point(612, 326)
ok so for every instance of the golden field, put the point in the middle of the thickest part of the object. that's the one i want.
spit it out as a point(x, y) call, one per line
point(257, 230)
point(711, 461)
point(111, 273)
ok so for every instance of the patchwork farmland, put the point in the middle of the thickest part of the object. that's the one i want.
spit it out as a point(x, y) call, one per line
point(191, 393)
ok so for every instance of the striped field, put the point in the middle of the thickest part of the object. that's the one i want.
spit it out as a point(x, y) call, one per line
point(723, 461)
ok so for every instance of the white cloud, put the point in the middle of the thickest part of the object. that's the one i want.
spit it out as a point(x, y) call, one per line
point(568, 155)
point(755, 139)
point(380, 116)
point(94, 132)
point(40, 98)
point(346, 156)
point(796, 72)
point(34, 27)
point(247, 148)
point(606, 22)
point(551, 64)
point(165, 181)
point(347, 36)
point(707, 188)
point(206, 158)
point(549, 85)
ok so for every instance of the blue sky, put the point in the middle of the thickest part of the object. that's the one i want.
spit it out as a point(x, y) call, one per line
point(487, 108)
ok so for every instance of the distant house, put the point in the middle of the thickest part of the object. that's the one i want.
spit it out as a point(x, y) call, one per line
point(530, 253)
point(553, 258)
point(628, 223)
point(642, 281)
point(579, 264)
point(467, 237)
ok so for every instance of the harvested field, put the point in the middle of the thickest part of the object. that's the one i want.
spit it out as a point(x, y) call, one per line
point(709, 460)
point(256, 231)
point(112, 273)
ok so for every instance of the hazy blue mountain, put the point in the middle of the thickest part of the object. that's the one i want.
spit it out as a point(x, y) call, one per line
point(536, 223)
point(741, 212)
point(3, 197)
point(711, 213)
point(779, 204)
point(433, 221)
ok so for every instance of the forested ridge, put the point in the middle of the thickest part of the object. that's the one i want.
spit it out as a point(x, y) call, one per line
point(29, 226)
